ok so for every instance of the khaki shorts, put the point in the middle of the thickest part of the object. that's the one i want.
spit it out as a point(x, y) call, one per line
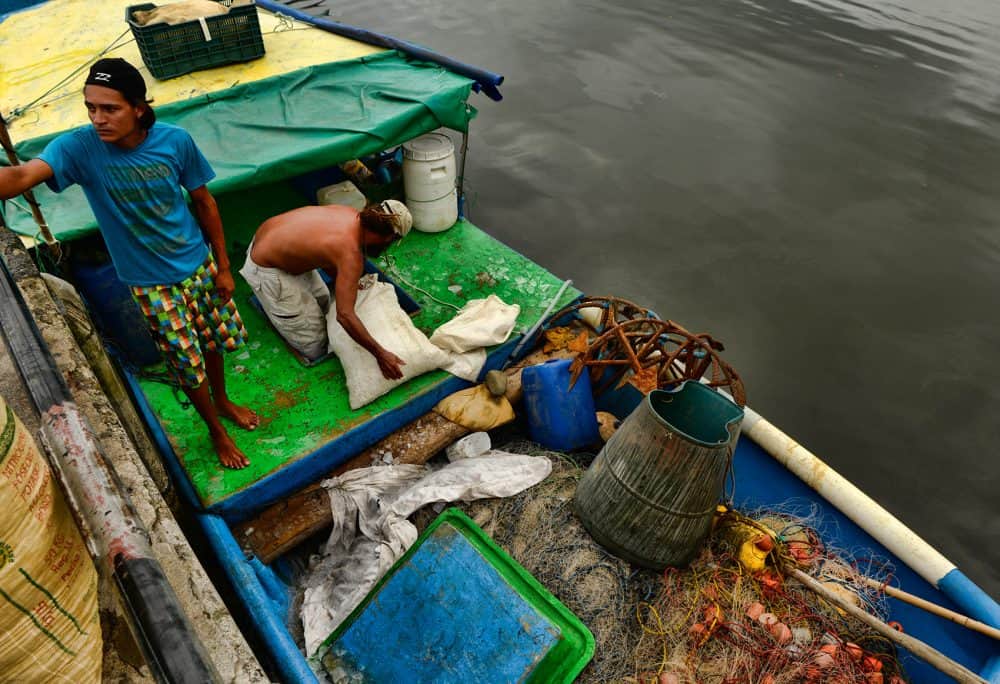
point(296, 305)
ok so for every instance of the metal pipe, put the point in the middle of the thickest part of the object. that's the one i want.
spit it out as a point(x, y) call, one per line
point(461, 173)
point(541, 319)
point(115, 534)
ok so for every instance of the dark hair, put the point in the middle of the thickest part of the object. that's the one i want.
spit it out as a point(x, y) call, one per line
point(148, 117)
point(378, 221)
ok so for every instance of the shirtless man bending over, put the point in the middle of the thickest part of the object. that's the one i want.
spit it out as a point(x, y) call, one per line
point(281, 269)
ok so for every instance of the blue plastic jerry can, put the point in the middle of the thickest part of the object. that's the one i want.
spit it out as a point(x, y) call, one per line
point(559, 416)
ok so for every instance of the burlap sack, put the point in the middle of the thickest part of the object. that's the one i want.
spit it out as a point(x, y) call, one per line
point(379, 310)
point(48, 586)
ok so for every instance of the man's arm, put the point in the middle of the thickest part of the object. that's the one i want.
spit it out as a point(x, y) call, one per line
point(15, 180)
point(207, 213)
point(345, 292)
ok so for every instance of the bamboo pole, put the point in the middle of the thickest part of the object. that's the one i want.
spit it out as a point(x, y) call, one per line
point(36, 211)
point(918, 648)
point(935, 609)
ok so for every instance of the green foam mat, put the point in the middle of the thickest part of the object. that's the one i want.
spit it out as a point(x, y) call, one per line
point(303, 408)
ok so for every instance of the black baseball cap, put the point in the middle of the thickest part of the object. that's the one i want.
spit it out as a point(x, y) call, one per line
point(117, 74)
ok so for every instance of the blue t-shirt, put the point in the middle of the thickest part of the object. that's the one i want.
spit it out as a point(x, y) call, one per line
point(137, 199)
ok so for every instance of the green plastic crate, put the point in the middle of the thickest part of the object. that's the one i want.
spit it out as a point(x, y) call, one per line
point(457, 608)
point(170, 51)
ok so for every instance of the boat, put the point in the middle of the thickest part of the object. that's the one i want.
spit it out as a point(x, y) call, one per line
point(276, 129)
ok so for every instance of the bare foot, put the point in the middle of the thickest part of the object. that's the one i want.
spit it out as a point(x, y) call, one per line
point(241, 415)
point(229, 454)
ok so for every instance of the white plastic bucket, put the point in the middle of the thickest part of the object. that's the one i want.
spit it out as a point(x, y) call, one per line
point(345, 193)
point(436, 215)
point(428, 168)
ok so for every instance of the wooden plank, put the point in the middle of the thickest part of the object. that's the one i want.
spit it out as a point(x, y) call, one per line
point(287, 523)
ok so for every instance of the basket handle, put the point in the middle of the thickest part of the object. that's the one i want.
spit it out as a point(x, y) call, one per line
point(204, 29)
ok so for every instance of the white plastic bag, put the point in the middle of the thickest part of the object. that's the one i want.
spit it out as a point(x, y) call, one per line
point(470, 446)
point(380, 499)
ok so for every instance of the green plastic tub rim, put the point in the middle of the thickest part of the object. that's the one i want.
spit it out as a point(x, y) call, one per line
point(561, 664)
point(696, 412)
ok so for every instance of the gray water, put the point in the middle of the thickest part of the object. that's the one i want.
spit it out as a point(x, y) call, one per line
point(817, 184)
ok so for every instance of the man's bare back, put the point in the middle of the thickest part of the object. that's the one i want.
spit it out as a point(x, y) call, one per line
point(333, 238)
point(306, 238)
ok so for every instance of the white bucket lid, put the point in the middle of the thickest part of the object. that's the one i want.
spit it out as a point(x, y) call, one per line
point(429, 147)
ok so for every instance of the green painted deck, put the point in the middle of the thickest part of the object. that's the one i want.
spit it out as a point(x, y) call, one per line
point(303, 408)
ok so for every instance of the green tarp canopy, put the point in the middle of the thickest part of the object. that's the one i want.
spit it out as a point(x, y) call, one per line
point(285, 126)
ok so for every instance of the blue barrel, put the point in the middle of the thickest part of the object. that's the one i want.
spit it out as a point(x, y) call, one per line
point(115, 312)
point(559, 416)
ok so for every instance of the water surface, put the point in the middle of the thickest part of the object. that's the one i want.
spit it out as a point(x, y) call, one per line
point(815, 183)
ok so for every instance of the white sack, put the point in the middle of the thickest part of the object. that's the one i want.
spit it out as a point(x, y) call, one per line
point(480, 323)
point(375, 502)
point(379, 310)
point(466, 365)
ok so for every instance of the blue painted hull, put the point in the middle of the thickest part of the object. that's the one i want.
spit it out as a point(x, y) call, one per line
point(761, 482)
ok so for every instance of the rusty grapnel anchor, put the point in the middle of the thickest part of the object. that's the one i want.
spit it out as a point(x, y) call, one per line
point(637, 347)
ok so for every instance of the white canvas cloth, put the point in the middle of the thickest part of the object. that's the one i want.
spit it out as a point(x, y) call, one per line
point(479, 324)
point(371, 532)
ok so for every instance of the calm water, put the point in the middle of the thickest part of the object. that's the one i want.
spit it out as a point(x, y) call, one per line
point(817, 184)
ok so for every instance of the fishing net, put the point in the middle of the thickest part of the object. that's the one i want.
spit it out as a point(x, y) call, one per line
point(730, 617)
point(539, 529)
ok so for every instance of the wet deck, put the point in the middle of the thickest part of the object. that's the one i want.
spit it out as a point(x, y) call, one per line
point(307, 427)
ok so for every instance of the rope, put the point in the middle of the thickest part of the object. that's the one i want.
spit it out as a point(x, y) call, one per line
point(18, 112)
point(660, 631)
point(391, 266)
point(285, 23)
point(158, 376)
point(18, 205)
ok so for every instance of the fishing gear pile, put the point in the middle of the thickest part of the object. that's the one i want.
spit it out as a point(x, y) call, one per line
point(731, 617)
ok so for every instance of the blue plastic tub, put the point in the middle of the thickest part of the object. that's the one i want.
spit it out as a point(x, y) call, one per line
point(457, 608)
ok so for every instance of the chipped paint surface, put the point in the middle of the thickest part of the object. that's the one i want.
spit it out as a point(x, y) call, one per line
point(303, 408)
point(93, 496)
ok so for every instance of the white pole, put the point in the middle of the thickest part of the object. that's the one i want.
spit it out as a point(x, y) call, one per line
point(851, 501)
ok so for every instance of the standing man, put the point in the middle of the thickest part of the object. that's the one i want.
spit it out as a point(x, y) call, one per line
point(281, 269)
point(132, 173)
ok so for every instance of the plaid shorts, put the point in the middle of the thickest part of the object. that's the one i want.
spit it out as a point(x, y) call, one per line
point(186, 315)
